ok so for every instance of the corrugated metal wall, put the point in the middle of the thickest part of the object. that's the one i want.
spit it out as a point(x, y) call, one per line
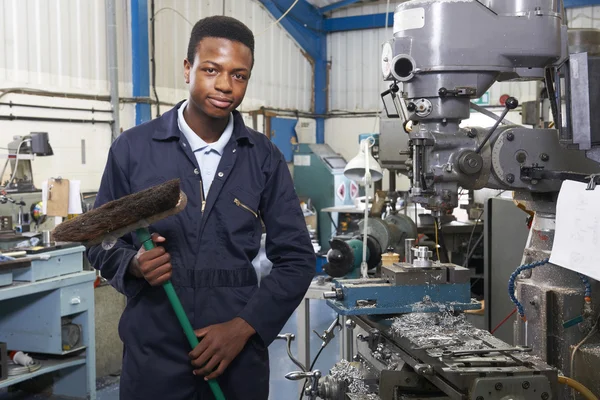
point(282, 76)
point(355, 70)
point(59, 45)
point(355, 80)
point(585, 17)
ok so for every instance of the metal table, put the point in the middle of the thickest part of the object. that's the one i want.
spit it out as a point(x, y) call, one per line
point(315, 292)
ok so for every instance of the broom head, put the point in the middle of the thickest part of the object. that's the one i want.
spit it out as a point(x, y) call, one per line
point(124, 215)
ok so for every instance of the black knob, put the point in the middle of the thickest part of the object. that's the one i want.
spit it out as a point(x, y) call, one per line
point(443, 92)
point(511, 103)
point(335, 255)
point(411, 106)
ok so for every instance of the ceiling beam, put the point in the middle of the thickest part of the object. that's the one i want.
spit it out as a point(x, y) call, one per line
point(370, 21)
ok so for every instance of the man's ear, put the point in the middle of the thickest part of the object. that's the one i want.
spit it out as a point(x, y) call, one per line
point(187, 68)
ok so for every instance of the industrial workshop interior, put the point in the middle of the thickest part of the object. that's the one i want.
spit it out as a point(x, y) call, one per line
point(300, 199)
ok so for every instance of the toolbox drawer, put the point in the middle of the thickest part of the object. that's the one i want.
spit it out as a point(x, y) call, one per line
point(76, 298)
point(51, 264)
point(33, 323)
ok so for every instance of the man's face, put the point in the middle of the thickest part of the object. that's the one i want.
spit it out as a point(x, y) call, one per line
point(219, 75)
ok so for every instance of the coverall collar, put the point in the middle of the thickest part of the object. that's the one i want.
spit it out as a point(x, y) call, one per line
point(168, 128)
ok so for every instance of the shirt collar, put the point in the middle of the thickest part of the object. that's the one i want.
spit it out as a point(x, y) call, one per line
point(196, 141)
point(166, 126)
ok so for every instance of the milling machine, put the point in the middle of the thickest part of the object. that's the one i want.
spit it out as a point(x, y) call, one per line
point(412, 342)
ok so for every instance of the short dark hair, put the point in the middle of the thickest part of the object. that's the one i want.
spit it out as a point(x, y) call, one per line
point(220, 26)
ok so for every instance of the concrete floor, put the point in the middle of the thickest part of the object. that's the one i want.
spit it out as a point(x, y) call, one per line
point(321, 317)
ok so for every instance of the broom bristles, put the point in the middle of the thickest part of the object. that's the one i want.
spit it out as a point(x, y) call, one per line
point(120, 213)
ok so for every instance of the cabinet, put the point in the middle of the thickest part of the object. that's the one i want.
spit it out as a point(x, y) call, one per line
point(34, 312)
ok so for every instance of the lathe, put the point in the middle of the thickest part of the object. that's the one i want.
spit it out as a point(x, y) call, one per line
point(412, 342)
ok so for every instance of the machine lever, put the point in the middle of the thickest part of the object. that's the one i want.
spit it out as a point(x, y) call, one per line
point(311, 391)
point(402, 111)
point(289, 337)
point(510, 104)
point(465, 91)
point(329, 333)
point(536, 173)
point(297, 375)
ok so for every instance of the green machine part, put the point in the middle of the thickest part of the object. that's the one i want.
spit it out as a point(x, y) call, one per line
point(344, 258)
point(357, 248)
point(319, 175)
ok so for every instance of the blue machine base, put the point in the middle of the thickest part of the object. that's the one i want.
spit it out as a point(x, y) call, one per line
point(379, 298)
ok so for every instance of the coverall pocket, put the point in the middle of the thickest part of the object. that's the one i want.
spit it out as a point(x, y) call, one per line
point(239, 221)
point(245, 202)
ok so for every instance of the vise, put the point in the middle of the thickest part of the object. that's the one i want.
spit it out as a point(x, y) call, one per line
point(420, 286)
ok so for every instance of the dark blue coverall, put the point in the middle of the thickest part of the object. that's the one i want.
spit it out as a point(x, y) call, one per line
point(211, 254)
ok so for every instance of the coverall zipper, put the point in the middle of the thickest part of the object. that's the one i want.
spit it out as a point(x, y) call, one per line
point(245, 207)
point(202, 196)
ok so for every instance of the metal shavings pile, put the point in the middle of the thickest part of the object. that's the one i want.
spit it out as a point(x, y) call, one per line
point(365, 304)
point(439, 330)
point(346, 372)
point(591, 349)
point(530, 357)
point(427, 305)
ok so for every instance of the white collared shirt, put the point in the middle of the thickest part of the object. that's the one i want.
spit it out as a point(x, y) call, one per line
point(208, 155)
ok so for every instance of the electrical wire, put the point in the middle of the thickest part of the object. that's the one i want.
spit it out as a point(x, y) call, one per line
point(15, 369)
point(278, 20)
point(443, 248)
point(466, 262)
point(312, 365)
point(16, 164)
point(585, 339)
point(175, 11)
point(333, 222)
point(573, 384)
point(472, 251)
point(503, 321)
point(437, 247)
point(583, 15)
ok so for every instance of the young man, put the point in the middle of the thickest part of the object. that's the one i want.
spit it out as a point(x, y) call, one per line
point(234, 177)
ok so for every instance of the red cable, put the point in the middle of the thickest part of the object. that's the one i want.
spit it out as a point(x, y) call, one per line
point(503, 321)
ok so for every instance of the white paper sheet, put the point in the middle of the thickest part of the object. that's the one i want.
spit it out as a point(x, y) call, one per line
point(74, 197)
point(44, 197)
point(577, 236)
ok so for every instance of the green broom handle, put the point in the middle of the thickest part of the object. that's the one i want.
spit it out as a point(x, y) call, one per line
point(146, 239)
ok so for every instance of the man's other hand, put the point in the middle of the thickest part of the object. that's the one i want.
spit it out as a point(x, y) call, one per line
point(153, 265)
point(219, 345)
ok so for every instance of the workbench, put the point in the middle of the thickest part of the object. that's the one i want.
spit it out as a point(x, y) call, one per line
point(32, 314)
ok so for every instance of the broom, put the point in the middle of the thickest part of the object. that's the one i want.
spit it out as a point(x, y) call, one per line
point(134, 212)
